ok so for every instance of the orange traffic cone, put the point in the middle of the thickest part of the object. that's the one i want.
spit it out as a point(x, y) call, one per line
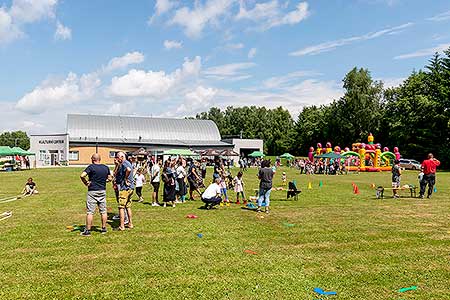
point(355, 190)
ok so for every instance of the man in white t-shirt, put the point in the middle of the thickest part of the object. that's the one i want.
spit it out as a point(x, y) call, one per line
point(211, 196)
point(156, 178)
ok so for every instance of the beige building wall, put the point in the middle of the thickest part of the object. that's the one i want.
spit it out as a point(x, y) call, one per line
point(85, 153)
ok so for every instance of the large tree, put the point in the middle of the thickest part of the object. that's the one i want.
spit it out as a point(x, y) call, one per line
point(15, 138)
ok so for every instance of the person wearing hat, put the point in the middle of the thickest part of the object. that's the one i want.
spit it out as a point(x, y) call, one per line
point(396, 174)
point(211, 196)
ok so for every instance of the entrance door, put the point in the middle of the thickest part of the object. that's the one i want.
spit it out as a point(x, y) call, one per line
point(54, 159)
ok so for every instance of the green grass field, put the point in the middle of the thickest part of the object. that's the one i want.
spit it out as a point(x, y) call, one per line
point(356, 245)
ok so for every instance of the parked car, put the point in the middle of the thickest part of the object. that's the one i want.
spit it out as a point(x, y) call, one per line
point(409, 164)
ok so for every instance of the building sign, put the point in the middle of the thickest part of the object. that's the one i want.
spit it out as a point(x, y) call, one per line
point(51, 142)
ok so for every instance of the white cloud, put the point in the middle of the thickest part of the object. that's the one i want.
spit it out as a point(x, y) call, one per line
point(8, 30)
point(140, 83)
point(229, 71)
point(124, 61)
point(424, 52)
point(58, 94)
point(392, 82)
point(235, 46)
point(293, 98)
point(197, 100)
point(251, 53)
point(194, 20)
point(329, 46)
point(162, 7)
point(440, 17)
point(22, 12)
point(287, 80)
point(29, 11)
point(172, 45)
point(123, 107)
point(272, 14)
point(62, 32)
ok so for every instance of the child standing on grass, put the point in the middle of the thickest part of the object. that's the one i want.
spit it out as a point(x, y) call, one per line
point(223, 189)
point(139, 180)
point(239, 187)
point(396, 174)
point(284, 178)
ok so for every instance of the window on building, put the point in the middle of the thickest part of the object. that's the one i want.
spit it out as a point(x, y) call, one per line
point(112, 154)
point(42, 154)
point(74, 155)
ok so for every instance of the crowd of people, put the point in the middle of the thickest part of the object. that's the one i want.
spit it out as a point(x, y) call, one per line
point(180, 178)
point(183, 179)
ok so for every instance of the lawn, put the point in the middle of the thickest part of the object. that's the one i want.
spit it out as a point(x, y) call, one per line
point(356, 245)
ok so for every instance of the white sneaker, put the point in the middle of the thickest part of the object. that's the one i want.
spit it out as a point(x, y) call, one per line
point(155, 204)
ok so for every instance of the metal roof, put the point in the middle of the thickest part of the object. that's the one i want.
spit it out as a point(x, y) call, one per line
point(140, 129)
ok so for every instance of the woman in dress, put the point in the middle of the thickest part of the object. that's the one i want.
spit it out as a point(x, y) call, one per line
point(168, 176)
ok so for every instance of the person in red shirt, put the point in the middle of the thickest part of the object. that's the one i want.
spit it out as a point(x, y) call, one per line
point(429, 175)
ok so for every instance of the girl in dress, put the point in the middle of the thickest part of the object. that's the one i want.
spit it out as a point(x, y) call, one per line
point(239, 188)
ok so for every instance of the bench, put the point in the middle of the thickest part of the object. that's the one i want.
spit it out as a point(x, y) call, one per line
point(411, 187)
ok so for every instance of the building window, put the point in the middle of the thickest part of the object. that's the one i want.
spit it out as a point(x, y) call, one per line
point(112, 154)
point(42, 154)
point(74, 155)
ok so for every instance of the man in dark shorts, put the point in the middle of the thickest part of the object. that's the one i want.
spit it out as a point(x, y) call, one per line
point(155, 174)
point(95, 177)
point(125, 183)
point(429, 175)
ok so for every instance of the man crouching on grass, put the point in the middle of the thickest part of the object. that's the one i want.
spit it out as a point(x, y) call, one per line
point(211, 196)
point(95, 177)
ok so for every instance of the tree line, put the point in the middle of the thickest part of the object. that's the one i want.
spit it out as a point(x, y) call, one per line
point(415, 116)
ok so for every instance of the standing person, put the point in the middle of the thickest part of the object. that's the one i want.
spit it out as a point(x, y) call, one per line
point(139, 180)
point(194, 180)
point(429, 175)
point(203, 168)
point(125, 184)
point(302, 165)
point(265, 176)
point(181, 175)
point(116, 189)
point(168, 177)
point(95, 177)
point(396, 174)
point(239, 187)
point(156, 179)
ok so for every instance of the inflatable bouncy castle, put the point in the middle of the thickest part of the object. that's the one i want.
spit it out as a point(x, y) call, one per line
point(362, 157)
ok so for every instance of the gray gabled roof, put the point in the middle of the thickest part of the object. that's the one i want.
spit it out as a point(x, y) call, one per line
point(132, 128)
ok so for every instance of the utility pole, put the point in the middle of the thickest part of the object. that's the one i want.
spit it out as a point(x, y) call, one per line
point(96, 144)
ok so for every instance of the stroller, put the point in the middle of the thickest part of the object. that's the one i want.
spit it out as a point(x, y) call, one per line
point(292, 190)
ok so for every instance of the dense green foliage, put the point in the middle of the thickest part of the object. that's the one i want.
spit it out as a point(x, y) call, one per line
point(274, 126)
point(15, 138)
point(358, 246)
point(414, 116)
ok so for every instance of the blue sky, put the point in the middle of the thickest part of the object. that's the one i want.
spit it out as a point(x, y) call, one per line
point(176, 58)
